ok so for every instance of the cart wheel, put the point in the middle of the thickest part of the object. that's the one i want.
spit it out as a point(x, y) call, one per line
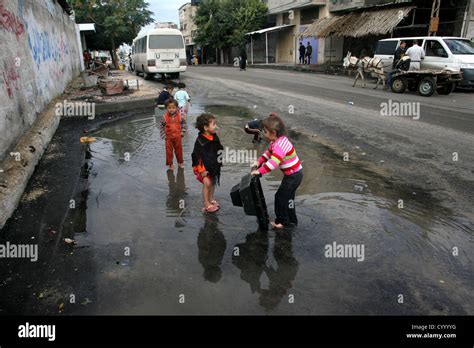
point(399, 85)
point(447, 88)
point(427, 87)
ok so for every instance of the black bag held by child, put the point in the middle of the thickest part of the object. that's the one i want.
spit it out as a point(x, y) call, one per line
point(249, 194)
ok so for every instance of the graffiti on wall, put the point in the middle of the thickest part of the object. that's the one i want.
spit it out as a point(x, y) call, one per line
point(10, 22)
point(11, 79)
point(45, 45)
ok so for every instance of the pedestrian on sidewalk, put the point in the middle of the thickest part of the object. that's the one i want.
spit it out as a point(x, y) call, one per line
point(416, 54)
point(184, 101)
point(281, 154)
point(302, 50)
point(207, 161)
point(172, 129)
point(309, 52)
point(243, 59)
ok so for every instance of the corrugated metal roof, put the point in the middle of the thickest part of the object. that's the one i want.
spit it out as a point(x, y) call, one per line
point(261, 31)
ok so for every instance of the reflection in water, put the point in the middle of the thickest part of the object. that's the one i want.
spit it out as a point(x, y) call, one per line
point(211, 243)
point(282, 277)
point(175, 199)
point(252, 260)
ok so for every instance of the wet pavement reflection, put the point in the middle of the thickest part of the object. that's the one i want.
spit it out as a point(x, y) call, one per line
point(221, 263)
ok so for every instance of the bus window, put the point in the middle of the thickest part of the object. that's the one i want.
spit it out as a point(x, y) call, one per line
point(166, 42)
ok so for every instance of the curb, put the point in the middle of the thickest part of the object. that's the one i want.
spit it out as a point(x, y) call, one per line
point(20, 165)
point(124, 105)
point(290, 68)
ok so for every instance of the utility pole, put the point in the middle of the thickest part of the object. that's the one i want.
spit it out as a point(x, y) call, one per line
point(434, 21)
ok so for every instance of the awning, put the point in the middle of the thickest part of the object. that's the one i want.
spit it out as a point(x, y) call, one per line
point(358, 24)
point(267, 30)
point(86, 26)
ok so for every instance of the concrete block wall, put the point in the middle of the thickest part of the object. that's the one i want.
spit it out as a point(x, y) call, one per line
point(39, 55)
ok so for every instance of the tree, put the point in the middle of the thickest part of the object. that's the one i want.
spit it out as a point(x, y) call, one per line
point(251, 16)
point(117, 21)
point(224, 23)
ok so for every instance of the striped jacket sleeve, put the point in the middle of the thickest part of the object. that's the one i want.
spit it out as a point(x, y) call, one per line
point(279, 150)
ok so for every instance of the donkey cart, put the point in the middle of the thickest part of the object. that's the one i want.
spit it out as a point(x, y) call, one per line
point(426, 82)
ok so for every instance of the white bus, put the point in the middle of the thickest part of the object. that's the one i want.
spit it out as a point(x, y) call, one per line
point(160, 51)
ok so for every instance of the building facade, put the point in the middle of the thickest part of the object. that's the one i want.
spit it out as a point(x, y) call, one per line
point(187, 12)
point(292, 18)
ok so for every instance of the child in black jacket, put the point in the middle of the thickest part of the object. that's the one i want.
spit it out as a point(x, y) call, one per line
point(207, 160)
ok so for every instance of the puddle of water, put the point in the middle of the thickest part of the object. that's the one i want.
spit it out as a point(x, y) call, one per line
point(222, 264)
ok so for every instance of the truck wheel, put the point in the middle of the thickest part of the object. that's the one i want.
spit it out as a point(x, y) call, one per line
point(427, 86)
point(399, 85)
point(447, 88)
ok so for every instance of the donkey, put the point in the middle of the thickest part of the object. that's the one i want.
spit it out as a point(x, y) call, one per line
point(365, 65)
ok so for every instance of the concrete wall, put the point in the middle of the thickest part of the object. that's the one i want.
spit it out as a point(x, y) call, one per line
point(470, 22)
point(39, 55)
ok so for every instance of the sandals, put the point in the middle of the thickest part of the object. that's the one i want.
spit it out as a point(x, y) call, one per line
point(210, 209)
point(214, 202)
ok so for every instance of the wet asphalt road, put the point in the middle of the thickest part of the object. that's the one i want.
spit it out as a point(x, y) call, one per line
point(138, 251)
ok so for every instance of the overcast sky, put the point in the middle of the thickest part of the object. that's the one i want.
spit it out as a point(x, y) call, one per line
point(165, 11)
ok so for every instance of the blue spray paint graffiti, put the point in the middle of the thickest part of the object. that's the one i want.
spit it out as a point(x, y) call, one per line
point(45, 46)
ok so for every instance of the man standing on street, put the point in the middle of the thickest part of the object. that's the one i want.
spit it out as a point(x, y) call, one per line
point(416, 54)
point(309, 52)
point(243, 59)
point(302, 53)
point(399, 53)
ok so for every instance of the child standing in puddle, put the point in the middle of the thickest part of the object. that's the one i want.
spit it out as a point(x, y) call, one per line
point(281, 154)
point(206, 160)
point(183, 99)
point(172, 128)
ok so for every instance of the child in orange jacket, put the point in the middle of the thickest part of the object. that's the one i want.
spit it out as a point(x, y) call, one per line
point(172, 128)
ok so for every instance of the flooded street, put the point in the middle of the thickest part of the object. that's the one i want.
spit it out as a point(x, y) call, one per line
point(144, 247)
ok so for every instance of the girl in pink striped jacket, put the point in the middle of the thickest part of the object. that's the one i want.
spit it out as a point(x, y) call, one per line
point(281, 154)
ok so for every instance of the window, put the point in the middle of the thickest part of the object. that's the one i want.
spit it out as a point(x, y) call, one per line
point(286, 18)
point(309, 15)
point(459, 46)
point(166, 42)
point(386, 47)
point(433, 48)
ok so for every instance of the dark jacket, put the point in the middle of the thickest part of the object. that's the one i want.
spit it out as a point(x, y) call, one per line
point(164, 96)
point(309, 50)
point(302, 50)
point(209, 153)
point(398, 56)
